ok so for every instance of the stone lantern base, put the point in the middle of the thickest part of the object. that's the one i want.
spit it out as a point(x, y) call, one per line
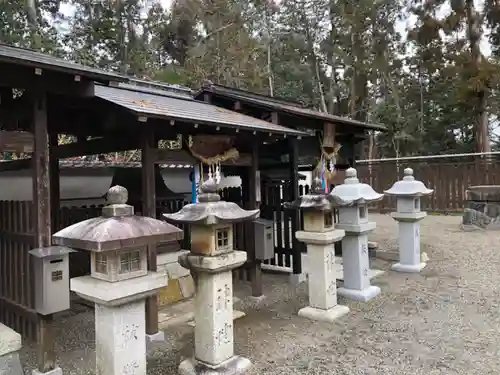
point(120, 320)
point(356, 263)
point(233, 366)
point(409, 242)
point(322, 276)
point(214, 337)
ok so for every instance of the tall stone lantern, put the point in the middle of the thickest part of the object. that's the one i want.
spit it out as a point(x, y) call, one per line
point(119, 281)
point(408, 192)
point(211, 260)
point(354, 220)
point(319, 234)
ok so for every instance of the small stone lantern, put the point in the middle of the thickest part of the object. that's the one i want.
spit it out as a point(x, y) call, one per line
point(354, 220)
point(119, 281)
point(319, 235)
point(408, 192)
point(212, 260)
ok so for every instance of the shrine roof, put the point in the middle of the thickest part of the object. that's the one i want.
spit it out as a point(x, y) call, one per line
point(281, 105)
point(178, 105)
point(30, 58)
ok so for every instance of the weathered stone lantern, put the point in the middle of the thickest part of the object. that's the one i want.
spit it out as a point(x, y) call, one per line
point(354, 220)
point(408, 192)
point(212, 260)
point(119, 281)
point(319, 235)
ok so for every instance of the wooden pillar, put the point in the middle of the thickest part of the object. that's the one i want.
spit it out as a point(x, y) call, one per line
point(148, 147)
point(42, 221)
point(55, 185)
point(255, 265)
point(294, 194)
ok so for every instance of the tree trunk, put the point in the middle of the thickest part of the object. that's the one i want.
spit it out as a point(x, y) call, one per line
point(474, 34)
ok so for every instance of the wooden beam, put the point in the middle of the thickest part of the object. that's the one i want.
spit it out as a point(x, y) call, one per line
point(42, 218)
point(30, 78)
point(294, 194)
point(103, 145)
point(275, 117)
point(13, 141)
point(166, 156)
point(149, 209)
point(15, 165)
point(55, 188)
point(207, 98)
point(255, 266)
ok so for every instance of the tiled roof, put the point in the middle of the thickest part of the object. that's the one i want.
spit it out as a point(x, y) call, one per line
point(163, 104)
point(282, 105)
point(27, 57)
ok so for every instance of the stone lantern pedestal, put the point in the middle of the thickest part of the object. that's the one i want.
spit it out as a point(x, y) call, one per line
point(211, 262)
point(119, 282)
point(214, 344)
point(322, 282)
point(408, 215)
point(320, 235)
point(354, 220)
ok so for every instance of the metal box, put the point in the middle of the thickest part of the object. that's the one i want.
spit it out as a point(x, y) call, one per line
point(51, 272)
point(264, 239)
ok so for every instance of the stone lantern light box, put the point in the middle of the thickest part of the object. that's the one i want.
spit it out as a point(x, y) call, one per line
point(118, 239)
point(211, 260)
point(119, 282)
point(408, 193)
point(317, 208)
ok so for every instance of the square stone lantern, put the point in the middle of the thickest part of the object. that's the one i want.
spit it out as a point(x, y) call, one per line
point(212, 260)
point(119, 281)
point(408, 192)
point(319, 234)
point(354, 220)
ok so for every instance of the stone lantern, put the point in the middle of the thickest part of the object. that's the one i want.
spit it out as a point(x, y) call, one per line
point(408, 192)
point(119, 281)
point(354, 220)
point(211, 260)
point(319, 235)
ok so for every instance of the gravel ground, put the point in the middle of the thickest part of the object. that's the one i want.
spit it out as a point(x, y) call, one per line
point(442, 321)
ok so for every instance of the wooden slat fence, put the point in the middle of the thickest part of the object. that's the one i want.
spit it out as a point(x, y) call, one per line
point(16, 279)
point(449, 179)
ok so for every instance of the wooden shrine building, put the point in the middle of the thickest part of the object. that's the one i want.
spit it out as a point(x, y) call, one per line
point(108, 113)
point(48, 97)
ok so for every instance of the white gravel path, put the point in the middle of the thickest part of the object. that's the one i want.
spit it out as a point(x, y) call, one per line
point(445, 320)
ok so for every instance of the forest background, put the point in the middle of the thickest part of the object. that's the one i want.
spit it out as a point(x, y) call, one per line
point(427, 69)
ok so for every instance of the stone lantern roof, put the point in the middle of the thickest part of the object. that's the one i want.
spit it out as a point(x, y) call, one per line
point(317, 200)
point(211, 210)
point(117, 228)
point(353, 190)
point(408, 186)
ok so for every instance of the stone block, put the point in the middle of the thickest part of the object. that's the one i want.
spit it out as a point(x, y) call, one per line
point(170, 294)
point(187, 286)
point(490, 193)
point(176, 271)
point(10, 364)
point(56, 371)
point(10, 343)
point(10, 340)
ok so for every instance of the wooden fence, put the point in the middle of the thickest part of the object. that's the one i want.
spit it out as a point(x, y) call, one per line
point(449, 178)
